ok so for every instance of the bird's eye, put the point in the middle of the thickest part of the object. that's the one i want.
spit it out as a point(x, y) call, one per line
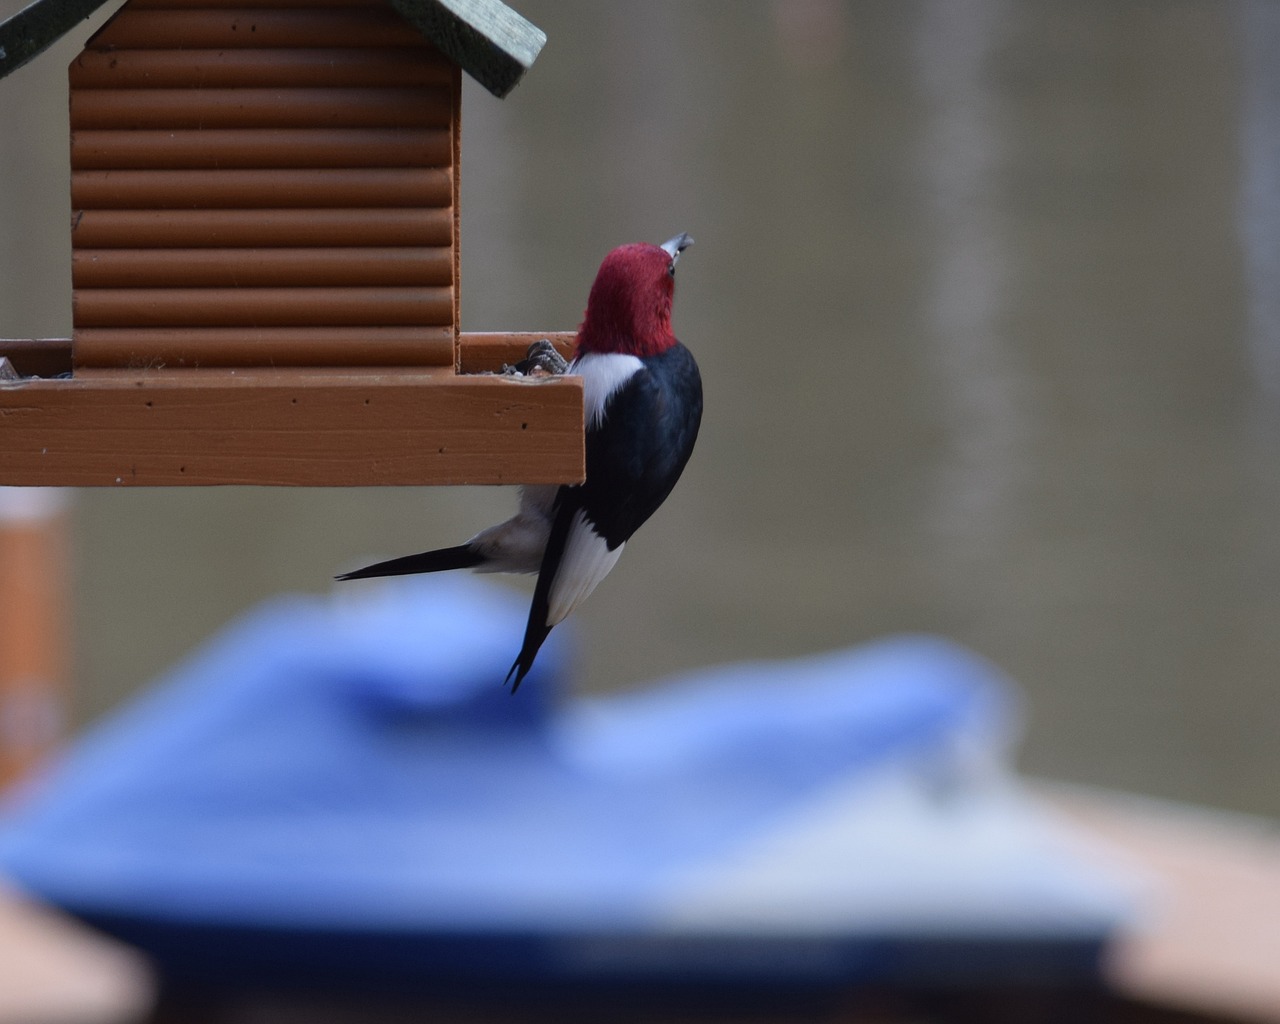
point(671, 268)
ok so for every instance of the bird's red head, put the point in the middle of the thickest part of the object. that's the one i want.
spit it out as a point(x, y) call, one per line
point(629, 309)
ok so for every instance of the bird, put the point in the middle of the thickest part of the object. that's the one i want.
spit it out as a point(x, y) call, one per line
point(642, 407)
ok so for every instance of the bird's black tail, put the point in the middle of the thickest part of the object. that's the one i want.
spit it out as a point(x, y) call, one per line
point(534, 637)
point(460, 557)
point(538, 629)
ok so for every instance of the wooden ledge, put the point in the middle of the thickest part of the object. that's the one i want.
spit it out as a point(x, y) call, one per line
point(487, 353)
point(478, 352)
point(316, 427)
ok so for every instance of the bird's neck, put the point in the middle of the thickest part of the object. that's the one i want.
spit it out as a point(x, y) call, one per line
point(624, 344)
point(631, 336)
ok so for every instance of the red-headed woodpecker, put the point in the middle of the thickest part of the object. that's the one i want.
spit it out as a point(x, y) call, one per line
point(642, 397)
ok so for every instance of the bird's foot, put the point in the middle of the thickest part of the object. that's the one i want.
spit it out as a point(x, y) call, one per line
point(542, 360)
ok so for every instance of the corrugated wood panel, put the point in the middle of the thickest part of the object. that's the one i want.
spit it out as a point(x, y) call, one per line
point(199, 229)
point(143, 347)
point(132, 109)
point(260, 268)
point(260, 307)
point(224, 188)
point(247, 175)
point(283, 148)
point(206, 69)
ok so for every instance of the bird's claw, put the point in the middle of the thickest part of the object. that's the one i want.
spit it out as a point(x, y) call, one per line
point(542, 360)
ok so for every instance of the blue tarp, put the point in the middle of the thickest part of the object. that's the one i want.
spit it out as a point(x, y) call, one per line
point(333, 770)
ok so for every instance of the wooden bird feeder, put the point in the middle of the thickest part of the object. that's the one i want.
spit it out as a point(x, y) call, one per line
point(264, 229)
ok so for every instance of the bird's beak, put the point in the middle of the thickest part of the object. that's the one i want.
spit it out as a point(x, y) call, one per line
point(675, 246)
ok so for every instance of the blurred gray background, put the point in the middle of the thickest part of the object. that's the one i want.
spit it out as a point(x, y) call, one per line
point(987, 301)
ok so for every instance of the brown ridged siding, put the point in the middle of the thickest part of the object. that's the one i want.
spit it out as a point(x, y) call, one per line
point(263, 182)
point(190, 229)
point(360, 187)
point(140, 347)
point(205, 69)
point(403, 266)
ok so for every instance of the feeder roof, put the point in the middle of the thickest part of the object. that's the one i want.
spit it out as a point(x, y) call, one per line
point(486, 38)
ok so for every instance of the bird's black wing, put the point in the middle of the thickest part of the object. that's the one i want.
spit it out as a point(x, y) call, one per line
point(637, 453)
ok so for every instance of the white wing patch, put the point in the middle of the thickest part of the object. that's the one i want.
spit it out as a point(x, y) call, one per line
point(587, 560)
point(602, 374)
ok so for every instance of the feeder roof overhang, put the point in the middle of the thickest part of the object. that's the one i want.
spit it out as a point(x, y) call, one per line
point(486, 38)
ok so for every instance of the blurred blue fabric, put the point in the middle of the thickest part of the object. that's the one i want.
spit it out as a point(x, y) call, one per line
point(354, 765)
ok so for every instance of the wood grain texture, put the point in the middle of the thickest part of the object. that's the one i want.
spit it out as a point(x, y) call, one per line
point(478, 351)
point(349, 107)
point(238, 229)
point(291, 428)
point(212, 148)
point(262, 307)
point(404, 266)
point(208, 69)
point(149, 347)
point(211, 29)
point(252, 169)
point(357, 187)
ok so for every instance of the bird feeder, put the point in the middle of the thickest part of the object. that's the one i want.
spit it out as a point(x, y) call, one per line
point(265, 260)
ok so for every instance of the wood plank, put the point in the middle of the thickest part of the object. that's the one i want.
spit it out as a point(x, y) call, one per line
point(213, 29)
point(280, 188)
point(487, 352)
point(351, 107)
point(320, 428)
point(260, 147)
point(262, 307)
point(250, 229)
point(205, 69)
point(352, 266)
point(478, 351)
point(156, 347)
